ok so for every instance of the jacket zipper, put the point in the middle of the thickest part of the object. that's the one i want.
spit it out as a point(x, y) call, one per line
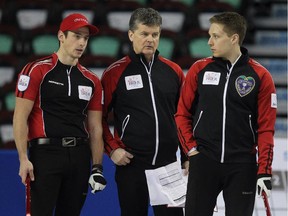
point(250, 123)
point(224, 118)
point(154, 108)
point(224, 108)
point(124, 124)
point(69, 81)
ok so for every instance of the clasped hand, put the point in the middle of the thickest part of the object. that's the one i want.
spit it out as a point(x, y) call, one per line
point(121, 157)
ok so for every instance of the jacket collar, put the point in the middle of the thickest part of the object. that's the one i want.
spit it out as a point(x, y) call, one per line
point(137, 57)
point(242, 60)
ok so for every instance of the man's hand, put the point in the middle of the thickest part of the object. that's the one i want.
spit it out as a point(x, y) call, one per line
point(192, 153)
point(97, 181)
point(121, 157)
point(185, 166)
point(264, 184)
point(26, 169)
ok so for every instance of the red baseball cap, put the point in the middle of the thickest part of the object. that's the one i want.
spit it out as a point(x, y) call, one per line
point(75, 21)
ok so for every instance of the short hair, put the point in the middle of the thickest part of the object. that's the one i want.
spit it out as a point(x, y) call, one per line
point(145, 16)
point(233, 23)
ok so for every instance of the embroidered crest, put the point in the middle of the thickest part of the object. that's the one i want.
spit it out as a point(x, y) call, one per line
point(244, 85)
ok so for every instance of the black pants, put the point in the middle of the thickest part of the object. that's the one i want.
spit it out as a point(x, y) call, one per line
point(208, 178)
point(134, 196)
point(61, 179)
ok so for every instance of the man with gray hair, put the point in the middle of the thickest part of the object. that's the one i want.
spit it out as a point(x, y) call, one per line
point(142, 90)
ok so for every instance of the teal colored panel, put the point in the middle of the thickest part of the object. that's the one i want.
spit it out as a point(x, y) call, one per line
point(187, 2)
point(10, 101)
point(166, 47)
point(142, 2)
point(6, 42)
point(104, 46)
point(199, 48)
point(234, 3)
point(45, 44)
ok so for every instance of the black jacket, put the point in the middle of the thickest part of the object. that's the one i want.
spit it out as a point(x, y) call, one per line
point(144, 100)
point(228, 112)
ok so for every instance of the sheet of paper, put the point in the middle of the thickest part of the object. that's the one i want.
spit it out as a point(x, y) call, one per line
point(167, 185)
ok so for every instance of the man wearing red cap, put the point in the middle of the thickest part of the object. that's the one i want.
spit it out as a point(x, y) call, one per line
point(59, 112)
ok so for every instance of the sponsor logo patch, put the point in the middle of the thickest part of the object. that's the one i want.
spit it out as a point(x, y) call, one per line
point(23, 82)
point(273, 100)
point(85, 92)
point(211, 78)
point(133, 82)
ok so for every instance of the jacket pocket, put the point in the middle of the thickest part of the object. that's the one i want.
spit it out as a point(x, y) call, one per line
point(251, 128)
point(197, 122)
point(124, 124)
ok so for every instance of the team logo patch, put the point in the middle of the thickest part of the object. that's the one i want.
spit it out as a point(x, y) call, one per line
point(244, 85)
point(23, 82)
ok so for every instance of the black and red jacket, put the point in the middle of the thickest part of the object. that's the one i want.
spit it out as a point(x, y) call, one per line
point(228, 111)
point(62, 94)
point(144, 99)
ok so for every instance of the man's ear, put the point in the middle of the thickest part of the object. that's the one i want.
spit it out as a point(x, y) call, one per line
point(130, 35)
point(60, 36)
point(235, 38)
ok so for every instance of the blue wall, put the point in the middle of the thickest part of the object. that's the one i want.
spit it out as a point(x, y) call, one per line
point(12, 191)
